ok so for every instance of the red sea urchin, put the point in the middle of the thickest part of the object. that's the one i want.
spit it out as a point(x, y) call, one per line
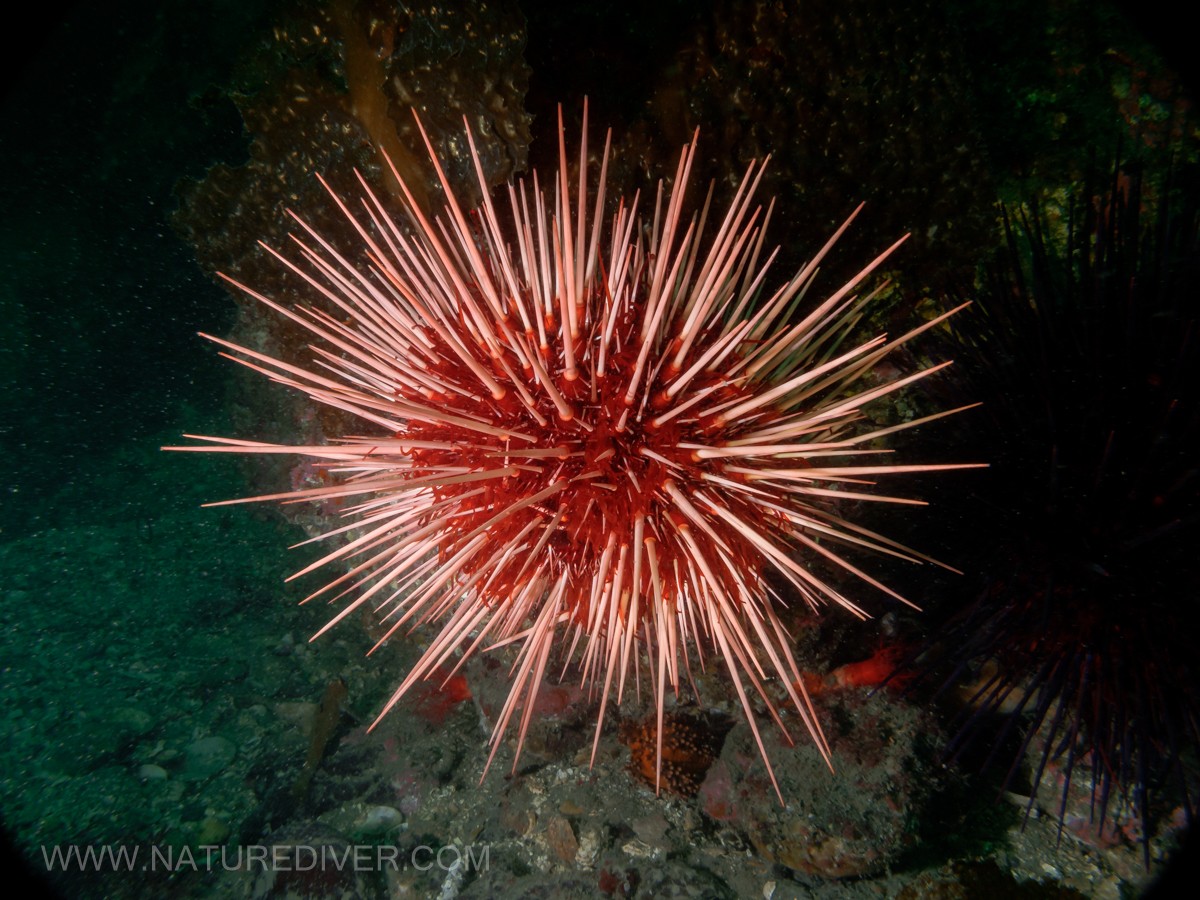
point(585, 438)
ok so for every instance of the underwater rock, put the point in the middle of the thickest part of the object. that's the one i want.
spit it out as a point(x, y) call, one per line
point(206, 757)
point(333, 90)
point(846, 824)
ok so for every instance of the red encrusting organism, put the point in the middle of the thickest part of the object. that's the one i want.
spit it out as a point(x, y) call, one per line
point(587, 430)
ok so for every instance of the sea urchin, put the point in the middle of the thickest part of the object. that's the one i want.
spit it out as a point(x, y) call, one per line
point(586, 433)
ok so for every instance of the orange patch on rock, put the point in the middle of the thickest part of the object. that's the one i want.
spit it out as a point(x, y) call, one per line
point(690, 746)
point(436, 697)
point(867, 673)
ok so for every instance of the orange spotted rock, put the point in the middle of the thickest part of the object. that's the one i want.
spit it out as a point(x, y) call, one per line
point(690, 745)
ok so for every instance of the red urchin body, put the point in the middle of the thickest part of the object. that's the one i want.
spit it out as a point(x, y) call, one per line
point(586, 433)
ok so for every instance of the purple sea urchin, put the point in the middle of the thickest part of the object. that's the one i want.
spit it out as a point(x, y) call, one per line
point(587, 432)
point(1083, 347)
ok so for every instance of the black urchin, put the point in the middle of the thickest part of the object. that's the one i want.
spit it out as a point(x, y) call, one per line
point(1083, 348)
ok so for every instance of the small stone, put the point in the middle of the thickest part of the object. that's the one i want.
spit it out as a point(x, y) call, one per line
point(590, 844)
point(150, 772)
point(518, 821)
point(380, 819)
point(206, 757)
point(131, 722)
point(212, 832)
point(652, 829)
point(561, 838)
point(639, 849)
